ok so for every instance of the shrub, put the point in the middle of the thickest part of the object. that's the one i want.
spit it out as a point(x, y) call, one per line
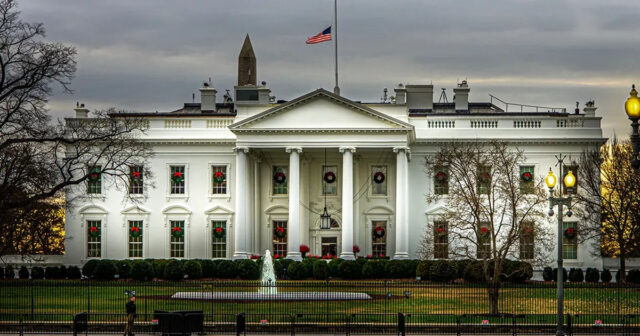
point(373, 269)
point(362, 261)
point(141, 270)
point(89, 267)
point(23, 273)
point(576, 275)
point(517, 271)
point(2, 273)
point(320, 270)
point(285, 265)
point(248, 270)
point(333, 267)
point(278, 269)
point(105, 270)
point(564, 274)
point(208, 268)
point(192, 269)
point(424, 269)
point(226, 269)
point(296, 271)
point(158, 266)
point(73, 272)
point(461, 266)
point(442, 271)
point(37, 272)
point(474, 272)
point(51, 272)
point(605, 276)
point(634, 276)
point(173, 270)
point(63, 272)
point(394, 269)
point(9, 272)
point(308, 267)
point(410, 267)
point(592, 275)
point(124, 269)
point(349, 269)
point(547, 274)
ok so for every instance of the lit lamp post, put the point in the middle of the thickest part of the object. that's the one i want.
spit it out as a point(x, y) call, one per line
point(632, 107)
point(569, 183)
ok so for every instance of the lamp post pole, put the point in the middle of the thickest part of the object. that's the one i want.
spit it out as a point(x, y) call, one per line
point(635, 142)
point(632, 107)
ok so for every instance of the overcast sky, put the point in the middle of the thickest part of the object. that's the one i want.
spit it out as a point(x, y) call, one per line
point(152, 55)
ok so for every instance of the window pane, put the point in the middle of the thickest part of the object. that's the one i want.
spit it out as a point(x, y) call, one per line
point(569, 245)
point(177, 240)
point(219, 245)
point(484, 241)
point(329, 246)
point(527, 187)
point(94, 239)
point(280, 244)
point(279, 188)
point(377, 187)
point(177, 179)
point(94, 184)
point(379, 238)
point(219, 188)
point(135, 243)
point(441, 181)
point(136, 180)
point(330, 189)
point(441, 240)
point(484, 179)
point(527, 241)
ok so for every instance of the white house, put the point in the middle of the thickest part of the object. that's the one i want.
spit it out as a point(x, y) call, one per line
point(235, 178)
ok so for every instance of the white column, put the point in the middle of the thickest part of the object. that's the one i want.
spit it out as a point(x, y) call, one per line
point(402, 203)
point(347, 203)
point(293, 225)
point(257, 218)
point(241, 220)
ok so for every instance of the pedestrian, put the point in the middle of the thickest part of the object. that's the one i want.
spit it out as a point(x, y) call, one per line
point(131, 314)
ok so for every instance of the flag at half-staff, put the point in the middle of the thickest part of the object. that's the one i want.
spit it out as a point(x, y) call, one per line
point(322, 37)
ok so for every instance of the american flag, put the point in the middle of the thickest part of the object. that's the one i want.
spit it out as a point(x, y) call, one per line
point(322, 37)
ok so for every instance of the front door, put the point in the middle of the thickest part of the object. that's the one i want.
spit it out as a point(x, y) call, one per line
point(329, 246)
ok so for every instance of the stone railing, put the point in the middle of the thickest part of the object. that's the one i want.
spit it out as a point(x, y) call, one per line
point(219, 123)
point(441, 124)
point(177, 123)
point(484, 123)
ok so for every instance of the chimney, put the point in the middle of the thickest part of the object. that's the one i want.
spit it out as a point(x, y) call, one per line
point(401, 94)
point(207, 98)
point(81, 111)
point(461, 97)
point(590, 109)
point(420, 97)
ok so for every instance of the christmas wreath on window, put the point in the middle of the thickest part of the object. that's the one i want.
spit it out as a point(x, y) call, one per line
point(484, 177)
point(441, 230)
point(177, 177)
point(218, 177)
point(484, 232)
point(219, 232)
point(441, 176)
point(526, 177)
point(279, 177)
point(527, 230)
point(94, 232)
point(135, 232)
point(378, 177)
point(279, 232)
point(329, 177)
point(94, 175)
point(570, 233)
point(176, 232)
point(136, 176)
point(379, 232)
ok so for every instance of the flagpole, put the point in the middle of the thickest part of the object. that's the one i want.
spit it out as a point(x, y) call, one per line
point(336, 89)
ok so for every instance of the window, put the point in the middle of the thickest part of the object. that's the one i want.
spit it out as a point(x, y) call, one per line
point(527, 176)
point(441, 181)
point(219, 187)
point(379, 238)
point(330, 189)
point(574, 169)
point(379, 178)
point(94, 185)
point(569, 245)
point(135, 239)
point(484, 179)
point(279, 187)
point(135, 180)
point(329, 246)
point(526, 242)
point(441, 240)
point(177, 179)
point(177, 239)
point(219, 239)
point(484, 241)
point(280, 238)
point(94, 239)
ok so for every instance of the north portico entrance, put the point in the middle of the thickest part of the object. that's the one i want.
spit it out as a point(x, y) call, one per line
point(280, 169)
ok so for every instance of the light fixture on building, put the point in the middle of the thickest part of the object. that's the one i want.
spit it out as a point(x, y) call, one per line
point(632, 107)
point(325, 218)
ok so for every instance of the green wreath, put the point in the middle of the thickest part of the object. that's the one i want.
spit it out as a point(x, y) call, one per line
point(94, 175)
point(218, 177)
point(279, 177)
point(329, 177)
point(441, 176)
point(279, 232)
point(94, 231)
point(177, 232)
point(136, 176)
point(379, 232)
point(135, 232)
point(570, 233)
point(378, 177)
point(526, 176)
point(177, 177)
point(219, 232)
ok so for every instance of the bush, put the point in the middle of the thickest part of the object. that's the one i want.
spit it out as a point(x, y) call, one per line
point(395, 269)
point(320, 270)
point(63, 272)
point(424, 269)
point(362, 261)
point(89, 267)
point(410, 268)
point(23, 273)
point(592, 275)
point(173, 270)
point(474, 272)
point(442, 271)
point(124, 268)
point(308, 267)
point(73, 272)
point(605, 276)
point(208, 268)
point(517, 271)
point(349, 269)
point(37, 273)
point(564, 274)
point(248, 270)
point(547, 274)
point(192, 269)
point(226, 269)
point(633, 276)
point(576, 275)
point(278, 269)
point(158, 266)
point(296, 271)
point(334, 272)
point(373, 269)
point(105, 270)
point(1, 272)
point(461, 266)
point(141, 270)
point(10, 273)
point(51, 272)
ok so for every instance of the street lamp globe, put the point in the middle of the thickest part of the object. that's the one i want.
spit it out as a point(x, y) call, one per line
point(569, 180)
point(632, 105)
point(551, 179)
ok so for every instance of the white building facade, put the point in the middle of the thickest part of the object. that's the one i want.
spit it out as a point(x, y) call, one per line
point(236, 178)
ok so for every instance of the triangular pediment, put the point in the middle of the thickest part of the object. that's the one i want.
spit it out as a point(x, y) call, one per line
point(320, 110)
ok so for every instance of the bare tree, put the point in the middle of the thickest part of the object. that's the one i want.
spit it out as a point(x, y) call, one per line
point(40, 158)
point(490, 209)
point(610, 190)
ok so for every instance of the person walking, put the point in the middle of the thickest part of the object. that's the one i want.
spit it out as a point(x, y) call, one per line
point(131, 315)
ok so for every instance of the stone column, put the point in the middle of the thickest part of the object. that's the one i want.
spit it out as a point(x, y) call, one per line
point(241, 221)
point(347, 203)
point(293, 225)
point(402, 203)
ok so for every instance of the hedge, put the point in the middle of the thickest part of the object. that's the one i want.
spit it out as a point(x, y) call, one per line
point(226, 269)
point(141, 270)
point(37, 272)
point(124, 269)
point(192, 269)
point(443, 271)
point(9, 272)
point(320, 270)
point(296, 271)
point(606, 276)
point(350, 269)
point(592, 275)
point(564, 274)
point(105, 270)
point(173, 270)
point(633, 276)
point(248, 269)
point(89, 266)
point(576, 275)
point(547, 274)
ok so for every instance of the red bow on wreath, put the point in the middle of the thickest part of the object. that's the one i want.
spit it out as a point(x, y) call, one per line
point(134, 232)
point(219, 229)
point(484, 231)
point(136, 175)
point(177, 174)
point(280, 229)
point(93, 229)
point(177, 229)
point(526, 176)
point(440, 229)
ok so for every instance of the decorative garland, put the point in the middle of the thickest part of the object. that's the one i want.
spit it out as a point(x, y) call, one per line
point(526, 177)
point(218, 177)
point(177, 177)
point(378, 177)
point(329, 177)
point(135, 232)
point(279, 177)
point(94, 231)
point(219, 232)
point(441, 176)
point(279, 232)
point(176, 232)
point(94, 175)
point(570, 233)
point(136, 176)
point(379, 232)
